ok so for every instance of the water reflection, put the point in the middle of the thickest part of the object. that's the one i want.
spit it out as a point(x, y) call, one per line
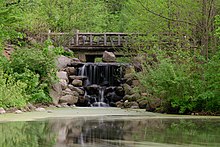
point(111, 132)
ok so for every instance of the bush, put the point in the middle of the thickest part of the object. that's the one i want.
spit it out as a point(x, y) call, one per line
point(12, 92)
point(37, 69)
point(210, 98)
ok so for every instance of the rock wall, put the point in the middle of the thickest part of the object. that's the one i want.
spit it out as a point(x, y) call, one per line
point(81, 84)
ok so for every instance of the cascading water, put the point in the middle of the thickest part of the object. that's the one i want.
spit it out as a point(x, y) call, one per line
point(101, 79)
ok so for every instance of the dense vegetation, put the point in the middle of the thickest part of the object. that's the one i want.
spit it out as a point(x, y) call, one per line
point(183, 35)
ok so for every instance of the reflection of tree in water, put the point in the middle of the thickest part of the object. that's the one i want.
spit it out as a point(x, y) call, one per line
point(22, 134)
point(69, 132)
point(173, 131)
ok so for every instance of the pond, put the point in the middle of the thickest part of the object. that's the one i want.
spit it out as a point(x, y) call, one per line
point(111, 131)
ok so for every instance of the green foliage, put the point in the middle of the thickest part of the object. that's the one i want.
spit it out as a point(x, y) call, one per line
point(12, 92)
point(210, 98)
point(36, 68)
point(10, 19)
point(182, 84)
point(217, 23)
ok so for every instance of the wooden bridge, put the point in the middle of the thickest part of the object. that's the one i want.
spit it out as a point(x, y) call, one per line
point(88, 46)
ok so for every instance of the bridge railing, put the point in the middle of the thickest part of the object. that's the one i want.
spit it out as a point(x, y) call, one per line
point(101, 39)
point(90, 39)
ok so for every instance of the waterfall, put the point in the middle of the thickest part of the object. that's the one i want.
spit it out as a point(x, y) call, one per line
point(100, 76)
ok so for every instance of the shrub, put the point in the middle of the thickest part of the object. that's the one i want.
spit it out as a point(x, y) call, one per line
point(210, 98)
point(37, 69)
point(12, 92)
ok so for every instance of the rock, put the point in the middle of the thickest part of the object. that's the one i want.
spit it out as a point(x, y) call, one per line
point(31, 107)
point(64, 105)
point(83, 101)
point(108, 57)
point(70, 92)
point(130, 76)
point(137, 61)
point(134, 107)
point(131, 104)
point(18, 112)
point(128, 90)
point(55, 93)
point(129, 70)
point(71, 70)
point(132, 97)
point(113, 97)
point(135, 96)
point(127, 97)
point(2, 111)
point(63, 84)
point(58, 106)
point(144, 94)
point(77, 77)
point(49, 111)
point(70, 99)
point(40, 109)
point(92, 89)
point(77, 83)
point(75, 60)
point(73, 105)
point(153, 104)
point(78, 90)
point(62, 75)
point(62, 62)
point(119, 91)
point(119, 104)
point(143, 104)
point(112, 104)
point(135, 83)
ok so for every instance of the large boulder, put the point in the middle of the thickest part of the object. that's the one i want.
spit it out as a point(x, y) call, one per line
point(78, 90)
point(70, 92)
point(62, 62)
point(69, 99)
point(108, 57)
point(55, 92)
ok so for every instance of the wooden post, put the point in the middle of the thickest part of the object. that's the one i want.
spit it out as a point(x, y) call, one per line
point(91, 41)
point(77, 37)
point(105, 40)
point(119, 40)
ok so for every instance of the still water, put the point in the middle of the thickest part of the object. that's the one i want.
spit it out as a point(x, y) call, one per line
point(111, 131)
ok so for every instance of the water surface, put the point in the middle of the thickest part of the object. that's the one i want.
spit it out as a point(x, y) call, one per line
point(111, 131)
